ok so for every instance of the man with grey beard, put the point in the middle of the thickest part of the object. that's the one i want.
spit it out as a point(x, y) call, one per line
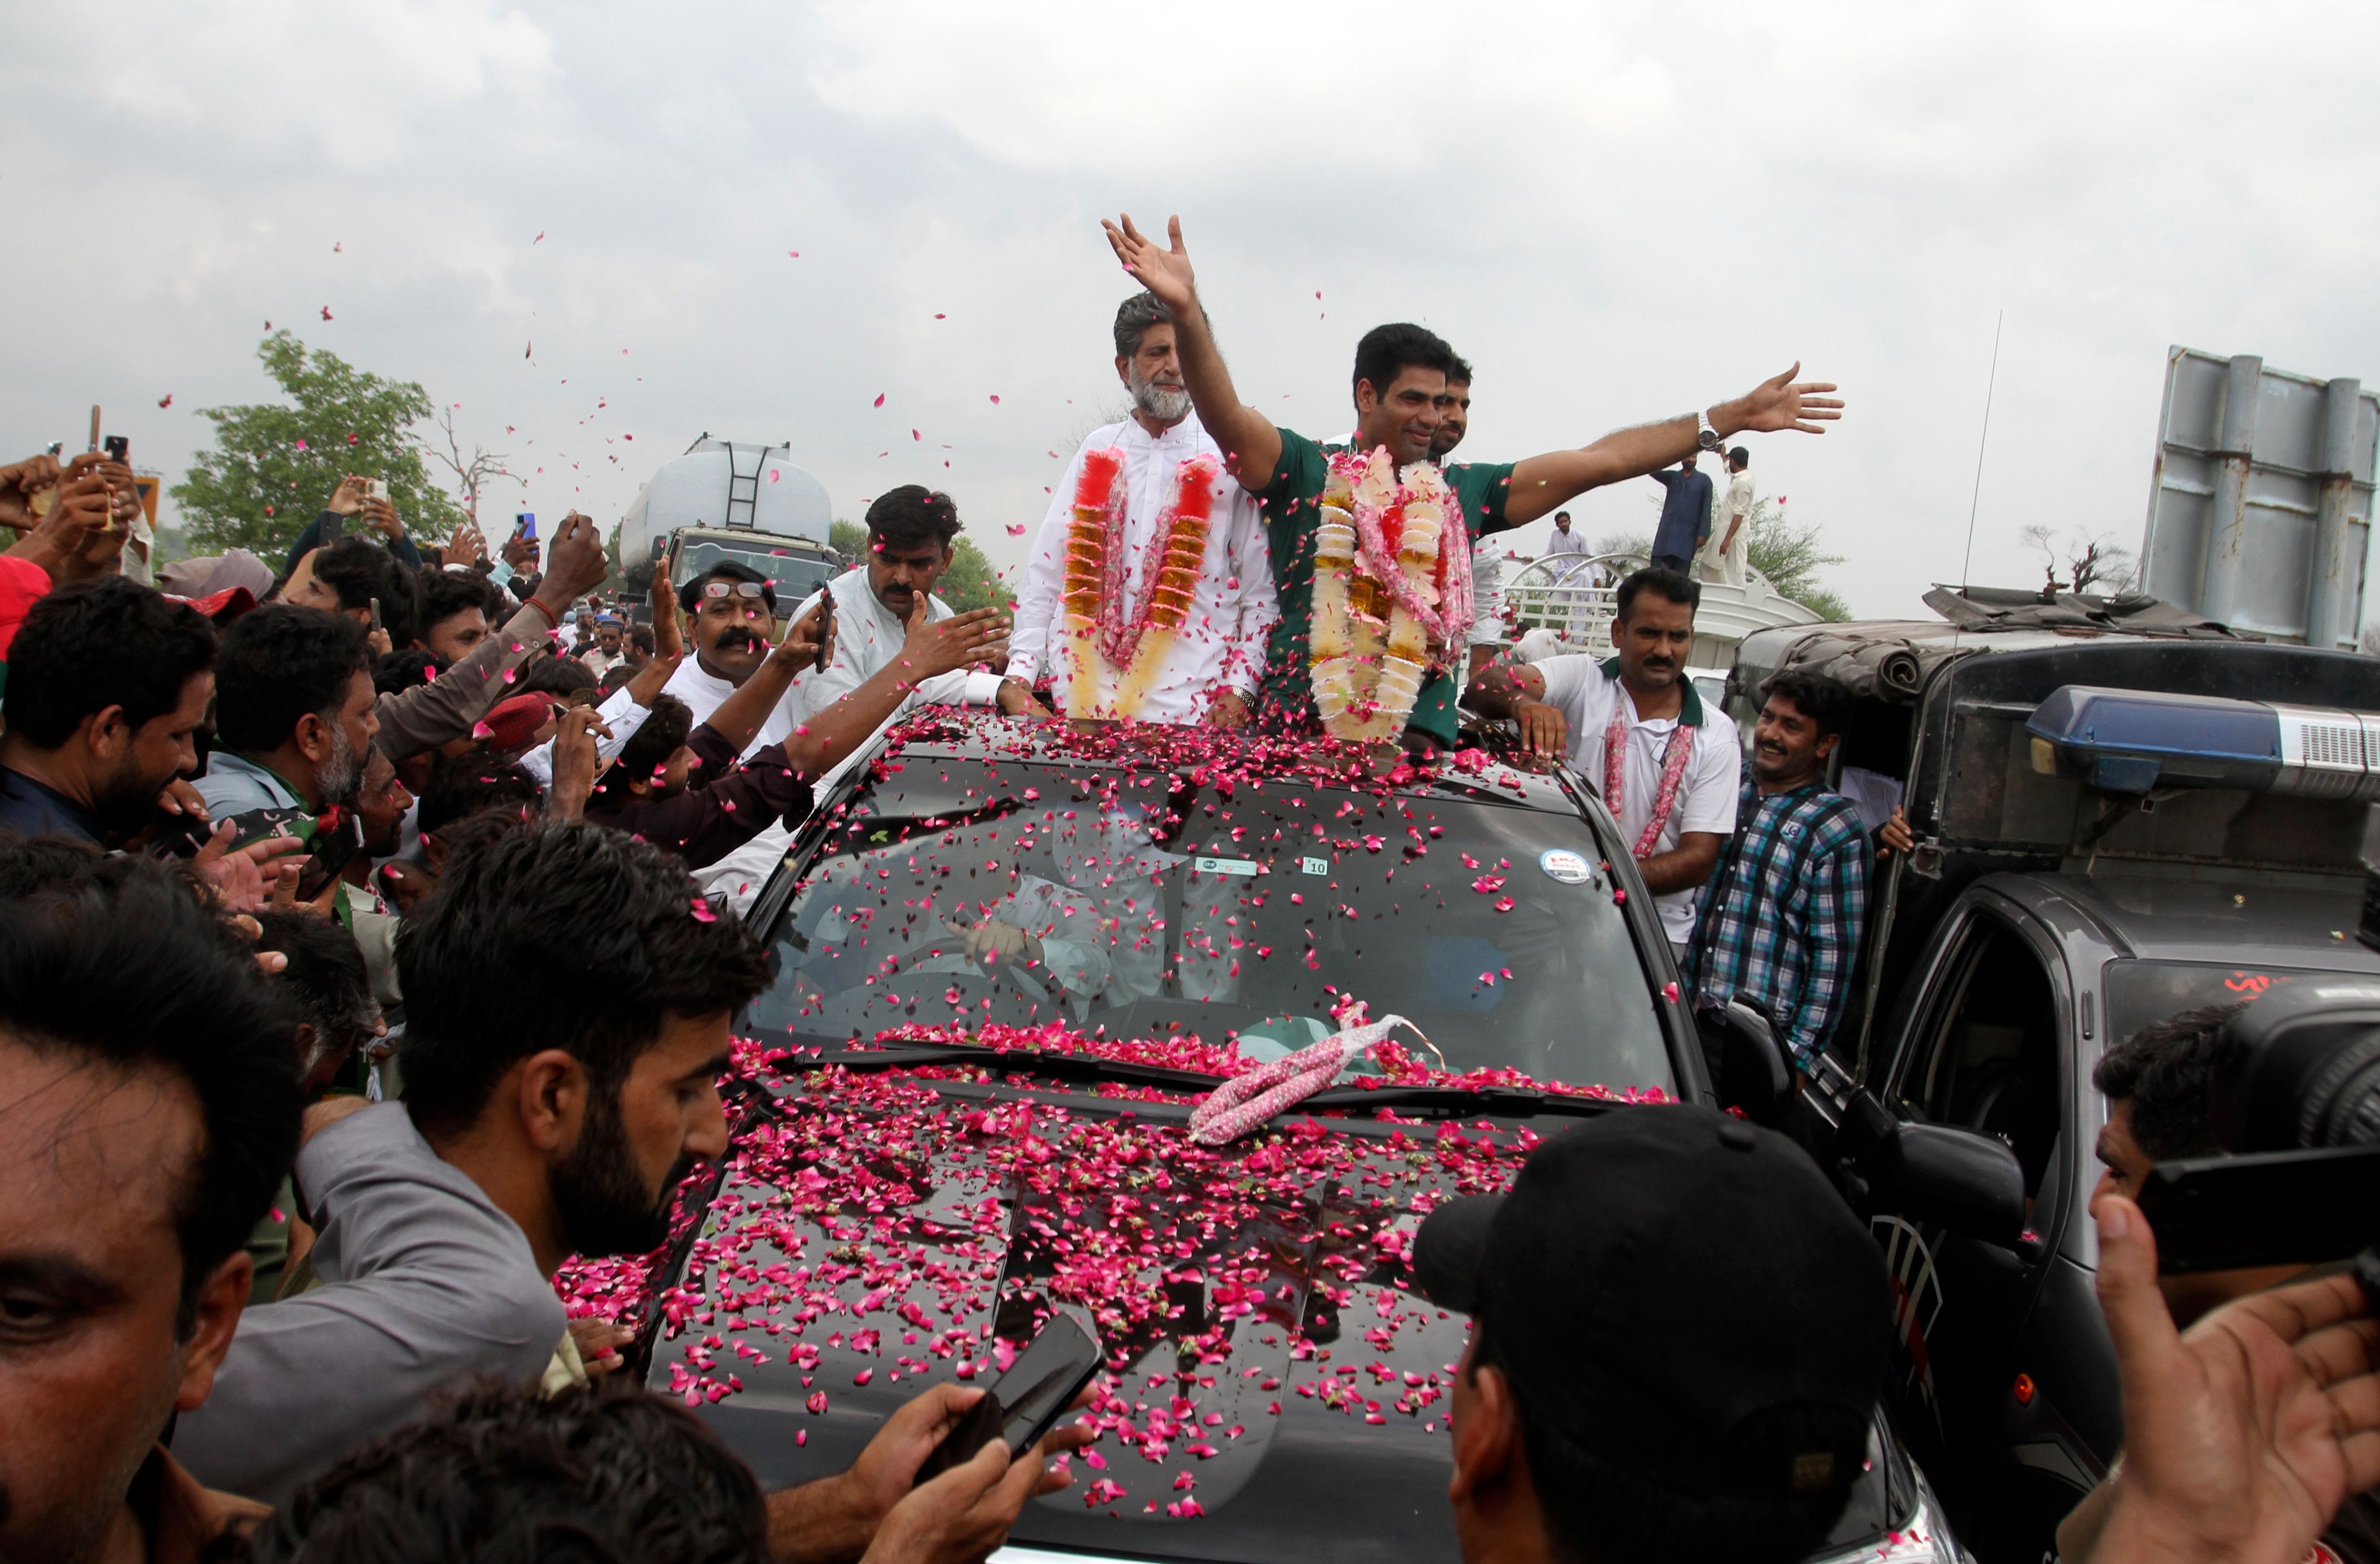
point(294, 719)
point(1203, 665)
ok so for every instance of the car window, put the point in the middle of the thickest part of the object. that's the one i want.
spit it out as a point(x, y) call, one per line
point(2139, 992)
point(793, 575)
point(1987, 1057)
point(1027, 895)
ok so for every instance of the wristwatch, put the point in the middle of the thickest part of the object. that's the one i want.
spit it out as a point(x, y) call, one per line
point(1706, 436)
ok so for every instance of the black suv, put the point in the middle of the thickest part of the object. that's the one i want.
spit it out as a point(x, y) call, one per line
point(1010, 960)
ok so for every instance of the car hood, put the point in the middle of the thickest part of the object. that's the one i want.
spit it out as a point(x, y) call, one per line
point(1277, 1390)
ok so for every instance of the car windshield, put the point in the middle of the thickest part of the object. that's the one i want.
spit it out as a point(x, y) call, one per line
point(1022, 893)
point(2139, 992)
point(793, 575)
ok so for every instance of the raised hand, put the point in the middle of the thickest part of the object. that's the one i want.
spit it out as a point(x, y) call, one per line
point(575, 763)
point(2244, 1436)
point(80, 522)
point(980, 635)
point(1165, 273)
point(382, 516)
point(466, 547)
point(20, 481)
point(347, 498)
point(239, 880)
point(578, 565)
point(802, 637)
point(1782, 403)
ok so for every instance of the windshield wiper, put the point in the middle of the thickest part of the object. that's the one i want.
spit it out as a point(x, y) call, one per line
point(1460, 1101)
point(1077, 1066)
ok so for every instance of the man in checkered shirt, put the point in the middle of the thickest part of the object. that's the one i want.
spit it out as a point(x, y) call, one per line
point(1779, 919)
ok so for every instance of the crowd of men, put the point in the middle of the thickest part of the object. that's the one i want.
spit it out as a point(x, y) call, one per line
point(272, 1286)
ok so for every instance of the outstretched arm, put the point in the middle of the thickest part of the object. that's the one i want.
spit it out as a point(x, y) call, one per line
point(1250, 442)
point(1543, 482)
point(1516, 691)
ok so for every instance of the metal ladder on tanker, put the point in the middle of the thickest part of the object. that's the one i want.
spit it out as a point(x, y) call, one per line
point(744, 488)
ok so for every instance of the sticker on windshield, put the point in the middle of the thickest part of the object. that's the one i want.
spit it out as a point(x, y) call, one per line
point(1562, 864)
point(1317, 865)
point(1223, 865)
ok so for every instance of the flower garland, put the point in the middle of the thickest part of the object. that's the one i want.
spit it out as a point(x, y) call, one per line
point(1391, 603)
point(1116, 642)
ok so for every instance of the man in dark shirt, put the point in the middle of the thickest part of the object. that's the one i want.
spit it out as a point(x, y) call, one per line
point(1685, 516)
point(106, 682)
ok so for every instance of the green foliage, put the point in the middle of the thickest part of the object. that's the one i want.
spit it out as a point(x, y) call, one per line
point(971, 582)
point(1790, 556)
point(274, 465)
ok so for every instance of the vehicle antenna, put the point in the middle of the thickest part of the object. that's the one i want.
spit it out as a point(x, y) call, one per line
point(1990, 383)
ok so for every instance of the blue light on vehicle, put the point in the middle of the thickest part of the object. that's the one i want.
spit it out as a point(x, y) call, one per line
point(2134, 741)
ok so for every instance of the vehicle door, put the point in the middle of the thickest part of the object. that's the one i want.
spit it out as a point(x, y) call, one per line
point(1985, 1051)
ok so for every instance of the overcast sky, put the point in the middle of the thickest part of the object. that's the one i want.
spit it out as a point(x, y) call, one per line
point(1617, 211)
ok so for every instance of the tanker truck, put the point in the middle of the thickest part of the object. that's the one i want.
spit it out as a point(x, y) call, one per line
point(724, 500)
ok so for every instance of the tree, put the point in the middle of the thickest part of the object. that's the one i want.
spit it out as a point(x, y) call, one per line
point(482, 468)
point(2089, 561)
point(1790, 556)
point(971, 581)
point(275, 464)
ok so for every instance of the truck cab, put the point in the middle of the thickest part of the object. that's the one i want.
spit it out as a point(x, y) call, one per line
point(720, 501)
point(2114, 822)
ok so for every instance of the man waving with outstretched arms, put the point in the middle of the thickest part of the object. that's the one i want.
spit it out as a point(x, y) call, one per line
point(1370, 546)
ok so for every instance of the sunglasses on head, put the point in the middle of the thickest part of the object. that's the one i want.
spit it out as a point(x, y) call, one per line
point(717, 591)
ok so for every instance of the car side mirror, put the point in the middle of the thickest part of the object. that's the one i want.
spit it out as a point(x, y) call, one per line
point(1746, 1062)
point(1971, 1184)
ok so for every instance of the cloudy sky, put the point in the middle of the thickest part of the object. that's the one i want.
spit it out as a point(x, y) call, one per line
point(1618, 212)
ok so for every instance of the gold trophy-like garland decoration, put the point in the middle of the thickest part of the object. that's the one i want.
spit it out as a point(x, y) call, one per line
point(1390, 602)
point(1120, 649)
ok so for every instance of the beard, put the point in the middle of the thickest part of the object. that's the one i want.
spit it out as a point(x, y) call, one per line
point(603, 1207)
point(338, 779)
point(1164, 404)
point(129, 800)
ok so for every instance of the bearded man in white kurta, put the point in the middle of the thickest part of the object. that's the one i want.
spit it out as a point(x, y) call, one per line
point(1148, 593)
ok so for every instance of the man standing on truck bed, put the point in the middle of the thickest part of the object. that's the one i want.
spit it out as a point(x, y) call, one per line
point(1204, 669)
point(1780, 921)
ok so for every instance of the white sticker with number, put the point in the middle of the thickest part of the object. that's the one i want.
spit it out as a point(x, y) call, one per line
point(1223, 865)
point(1317, 865)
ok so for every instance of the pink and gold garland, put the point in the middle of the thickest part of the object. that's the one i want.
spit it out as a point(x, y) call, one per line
point(1391, 592)
point(1116, 642)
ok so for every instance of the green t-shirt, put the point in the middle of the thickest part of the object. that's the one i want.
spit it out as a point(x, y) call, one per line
point(1293, 510)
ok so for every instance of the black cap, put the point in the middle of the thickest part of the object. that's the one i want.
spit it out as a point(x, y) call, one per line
point(1679, 1294)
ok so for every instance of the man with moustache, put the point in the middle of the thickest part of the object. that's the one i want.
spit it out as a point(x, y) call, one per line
point(1780, 921)
point(1635, 727)
point(1211, 664)
point(882, 602)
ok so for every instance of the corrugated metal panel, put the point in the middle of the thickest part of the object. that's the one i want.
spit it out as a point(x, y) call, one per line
point(2261, 508)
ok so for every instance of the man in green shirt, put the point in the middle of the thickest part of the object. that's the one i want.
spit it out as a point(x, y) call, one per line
point(1401, 378)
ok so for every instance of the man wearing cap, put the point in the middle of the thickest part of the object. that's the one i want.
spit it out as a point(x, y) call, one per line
point(1688, 1373)
point(605, 654)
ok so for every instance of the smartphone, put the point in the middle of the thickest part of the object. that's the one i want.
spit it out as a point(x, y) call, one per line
point(335, 527)
point(118, 448)
point(1028, 1400)
point(826, 632)
point(375, 490)
point(525, 525)
point(375, 615)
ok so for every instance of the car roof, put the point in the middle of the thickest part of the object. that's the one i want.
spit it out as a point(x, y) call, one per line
point(2241, 922)
point(1470, 775)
